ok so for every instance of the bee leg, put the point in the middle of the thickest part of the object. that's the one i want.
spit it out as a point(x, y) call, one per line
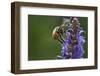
point(59, 57)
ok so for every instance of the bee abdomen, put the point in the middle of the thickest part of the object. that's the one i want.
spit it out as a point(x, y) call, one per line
point(55, 36)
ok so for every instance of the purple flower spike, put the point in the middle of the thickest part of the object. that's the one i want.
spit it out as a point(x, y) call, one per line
point(77, 47)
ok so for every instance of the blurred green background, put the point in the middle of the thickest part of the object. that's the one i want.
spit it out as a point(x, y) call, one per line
point(41, 46)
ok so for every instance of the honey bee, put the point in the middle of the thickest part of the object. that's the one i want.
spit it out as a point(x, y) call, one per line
point(59, 31)
point(57, 34)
